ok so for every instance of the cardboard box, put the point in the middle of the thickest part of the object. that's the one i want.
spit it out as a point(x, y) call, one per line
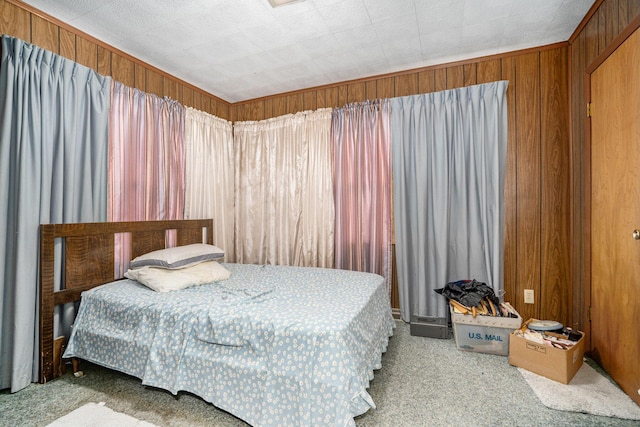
point(483, 334)
point(554, 363)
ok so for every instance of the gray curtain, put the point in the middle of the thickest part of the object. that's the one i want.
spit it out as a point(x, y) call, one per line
point(449, 154)
point(53, 169)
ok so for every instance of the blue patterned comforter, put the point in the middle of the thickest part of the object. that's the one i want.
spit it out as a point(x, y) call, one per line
point(272, 345)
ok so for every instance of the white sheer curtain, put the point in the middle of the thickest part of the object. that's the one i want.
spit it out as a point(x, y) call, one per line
point(449, 152)
point(210, 175)
point(284, 190)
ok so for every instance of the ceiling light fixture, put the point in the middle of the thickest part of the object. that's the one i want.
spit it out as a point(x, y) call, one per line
point(276, 3)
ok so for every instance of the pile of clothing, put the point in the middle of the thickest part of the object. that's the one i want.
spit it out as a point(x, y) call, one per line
point(474, 297)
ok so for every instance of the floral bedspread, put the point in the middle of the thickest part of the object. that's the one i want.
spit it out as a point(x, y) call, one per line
point(272, 345)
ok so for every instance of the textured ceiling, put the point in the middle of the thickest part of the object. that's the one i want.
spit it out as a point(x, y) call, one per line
point(245, 49)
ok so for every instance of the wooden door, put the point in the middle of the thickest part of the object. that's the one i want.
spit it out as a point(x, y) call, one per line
point(615, 214)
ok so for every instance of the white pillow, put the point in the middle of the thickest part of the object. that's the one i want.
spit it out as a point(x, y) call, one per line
point(165, 280)
point(178, 257)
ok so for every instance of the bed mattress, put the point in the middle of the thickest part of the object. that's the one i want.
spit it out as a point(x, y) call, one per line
point(273, 345)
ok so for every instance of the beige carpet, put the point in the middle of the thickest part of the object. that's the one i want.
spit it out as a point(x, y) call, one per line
point(589, 392)
point(97, 415)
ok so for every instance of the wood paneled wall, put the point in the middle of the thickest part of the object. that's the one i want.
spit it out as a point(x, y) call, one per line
point(606, 20)
point(537, 194)
point(425, 80)
point(18, 20)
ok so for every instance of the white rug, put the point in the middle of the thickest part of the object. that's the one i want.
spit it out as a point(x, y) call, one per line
point(588, 392)
point(98, 415)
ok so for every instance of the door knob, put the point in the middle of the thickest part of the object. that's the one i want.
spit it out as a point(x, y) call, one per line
point(636, 234)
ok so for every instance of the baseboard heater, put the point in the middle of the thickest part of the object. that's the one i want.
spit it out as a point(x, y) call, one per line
point(432, 327)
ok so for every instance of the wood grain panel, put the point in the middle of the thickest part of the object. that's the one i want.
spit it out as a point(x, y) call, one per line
point(602, 25)
point(215, 107)
point(623, 14)
point(343, 98)
point(321, 98)
point(172, 89)
point(608, 23)
point(355, 92)
point(234, 113)
point(144, 241)
point(406, 84)
point(426, 81)
point(188, 236)
point(187, 96)
point(470, 74)
point(123, 70)
point(331, 97)
point(489, 71)
point(268, 108)
point(555, 296)
point(510, 186)
point(86, 53)
point(44, 34)
point(591, 33)
point(15, 21)
point(395, 294)
point(197, 101)
point(455, 77)
point(385, 87)
point(528, 181)
point(279, 106)
point(210, 104)
point(140, 76)
point(96, 251)
point(633, 9)
point(223, 110)
point(310, 100)
point(238, 115)
point(371, 90)
point(218, 107)
point(257, 110)
point(154, 82)
point(104, 61)
point(47, 279)
point(247, 110)
point(294, 103)
point(577, 167)
point(441, 79)
point(203, 101)
point(207, 104)
point(67, 44)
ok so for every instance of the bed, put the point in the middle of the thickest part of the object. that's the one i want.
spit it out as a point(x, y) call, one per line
point(272, 345)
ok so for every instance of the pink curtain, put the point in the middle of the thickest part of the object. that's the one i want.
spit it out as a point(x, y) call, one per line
point(146, 158)
point(362, 187)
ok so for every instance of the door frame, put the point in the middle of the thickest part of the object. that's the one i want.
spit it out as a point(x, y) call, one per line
point(619, 40)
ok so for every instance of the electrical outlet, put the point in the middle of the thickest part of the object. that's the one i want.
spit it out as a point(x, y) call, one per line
point(528, 296)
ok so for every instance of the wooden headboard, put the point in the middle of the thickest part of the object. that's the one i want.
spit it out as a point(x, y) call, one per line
point(88, 261)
